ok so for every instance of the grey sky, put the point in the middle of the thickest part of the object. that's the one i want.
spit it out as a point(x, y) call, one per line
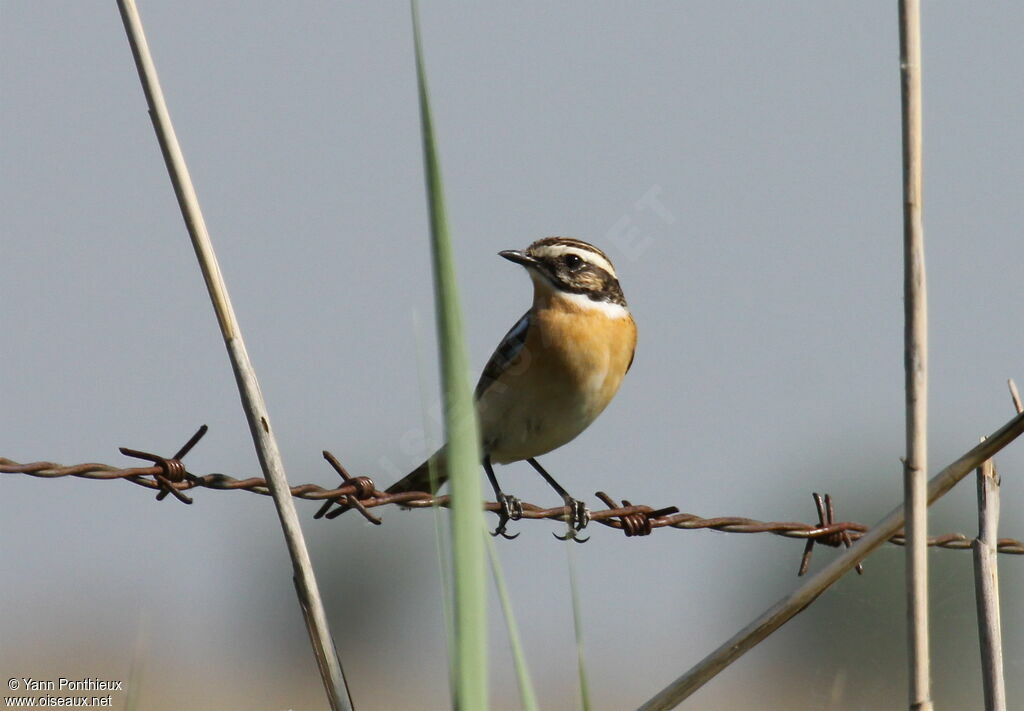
point(766, 286)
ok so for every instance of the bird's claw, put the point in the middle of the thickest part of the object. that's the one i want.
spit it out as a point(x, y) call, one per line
point(500, 530)
point(511, 510)
point(579, 517)
point(571, 535)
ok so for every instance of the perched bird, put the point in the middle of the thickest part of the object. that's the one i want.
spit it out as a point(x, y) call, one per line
point(553, 373)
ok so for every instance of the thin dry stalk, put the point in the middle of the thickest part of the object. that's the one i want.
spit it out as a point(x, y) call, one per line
point(786, 608)
point(915, 299)
point(986, 579)
point(986, 588)
point(245, 376)
point(1015, 394)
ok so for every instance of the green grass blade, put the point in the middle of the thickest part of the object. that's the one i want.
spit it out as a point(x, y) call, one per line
point(441, 543)
point(526, 694)
point(577, 625)
point(460, 430)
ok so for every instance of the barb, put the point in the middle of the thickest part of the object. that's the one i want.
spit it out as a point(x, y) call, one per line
point(826, 518)
point(364, 488)
point(169, 476)
point(638, 523)
point(171, 470)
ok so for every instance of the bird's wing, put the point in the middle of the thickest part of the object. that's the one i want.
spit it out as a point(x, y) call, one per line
point(504, 355)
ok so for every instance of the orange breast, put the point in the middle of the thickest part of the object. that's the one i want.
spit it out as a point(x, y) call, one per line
point(568, 371)
point(589, 351)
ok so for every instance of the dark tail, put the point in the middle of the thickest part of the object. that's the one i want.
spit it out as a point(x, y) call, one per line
point(422, 478)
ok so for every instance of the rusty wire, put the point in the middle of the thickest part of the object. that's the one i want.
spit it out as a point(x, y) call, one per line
point(168, 476)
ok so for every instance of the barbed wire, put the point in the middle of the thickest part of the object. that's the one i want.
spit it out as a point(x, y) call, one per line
point(168, 476)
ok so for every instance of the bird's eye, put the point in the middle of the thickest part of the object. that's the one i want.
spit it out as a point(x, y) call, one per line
point(572, 261)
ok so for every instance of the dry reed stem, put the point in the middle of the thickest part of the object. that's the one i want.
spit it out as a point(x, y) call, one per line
point(788, 607)
point(986, 587)
point(245, 376)
point(915, 299)
point(986, 579)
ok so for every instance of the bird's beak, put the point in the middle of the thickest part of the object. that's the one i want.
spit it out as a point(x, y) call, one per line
point(514, 255)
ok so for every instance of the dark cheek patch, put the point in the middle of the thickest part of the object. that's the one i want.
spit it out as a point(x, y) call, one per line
point(590, 281)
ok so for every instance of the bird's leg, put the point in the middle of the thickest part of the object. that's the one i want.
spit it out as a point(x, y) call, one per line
point(511, 507)
point(579, 514)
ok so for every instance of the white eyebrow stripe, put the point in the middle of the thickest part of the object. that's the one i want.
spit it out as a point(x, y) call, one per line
point(558, 250)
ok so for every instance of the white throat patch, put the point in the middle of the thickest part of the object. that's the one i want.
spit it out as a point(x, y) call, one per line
point(580, 301)
point(584, 302)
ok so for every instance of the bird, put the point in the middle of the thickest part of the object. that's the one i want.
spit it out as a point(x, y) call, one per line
point(552, 374)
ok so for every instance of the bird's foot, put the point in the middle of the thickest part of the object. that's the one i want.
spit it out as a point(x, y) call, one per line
point(579, 517)
point(511, 510)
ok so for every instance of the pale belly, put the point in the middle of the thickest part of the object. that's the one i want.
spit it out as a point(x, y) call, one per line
point(530, 431)
point(523, 422)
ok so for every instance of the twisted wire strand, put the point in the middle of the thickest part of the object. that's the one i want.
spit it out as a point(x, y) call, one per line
point(635, 520)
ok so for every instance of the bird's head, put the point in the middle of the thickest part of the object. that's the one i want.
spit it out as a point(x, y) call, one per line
point(570, 266)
